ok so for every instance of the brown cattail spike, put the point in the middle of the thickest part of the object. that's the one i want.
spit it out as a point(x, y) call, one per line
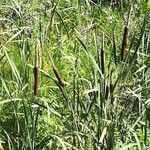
point(125, 37)
point(58, 76)
point(56, 72)
point(36, 68)
point(111, 87)
point(111, 92)
point(36, 72)
point(106, 92)
point(124, 43)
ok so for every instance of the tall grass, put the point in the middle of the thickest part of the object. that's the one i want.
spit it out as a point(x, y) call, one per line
point(72, 77)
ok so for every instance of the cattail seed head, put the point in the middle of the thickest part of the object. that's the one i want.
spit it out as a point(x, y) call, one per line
point(125, 37)
point(124, 43)
point(58, 76)
point(106, 92)
point(36, 74)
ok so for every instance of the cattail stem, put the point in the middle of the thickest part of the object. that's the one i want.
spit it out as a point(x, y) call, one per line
point(103, 56)
point(114, 49)
point(111, 93)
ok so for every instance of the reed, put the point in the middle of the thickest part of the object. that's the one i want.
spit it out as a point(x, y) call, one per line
point(56, 72)
point(36, 70)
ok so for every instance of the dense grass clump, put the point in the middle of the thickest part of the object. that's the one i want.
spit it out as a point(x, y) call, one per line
point(74, 75)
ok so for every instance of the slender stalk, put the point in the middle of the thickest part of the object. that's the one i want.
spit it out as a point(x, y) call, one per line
point(114, 48)
point(103, 56)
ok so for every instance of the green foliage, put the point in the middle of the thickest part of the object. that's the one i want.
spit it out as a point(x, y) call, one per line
point(105, 102)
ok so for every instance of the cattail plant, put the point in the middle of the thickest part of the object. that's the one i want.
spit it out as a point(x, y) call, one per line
point(57, 73)
point(36, 69)
point(36, 73)
point(125, 37)
point(58, 76)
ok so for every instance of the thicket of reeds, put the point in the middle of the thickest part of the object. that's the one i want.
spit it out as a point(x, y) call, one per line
point(74, 75)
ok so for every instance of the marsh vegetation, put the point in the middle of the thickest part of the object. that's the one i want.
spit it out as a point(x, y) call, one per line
point(74, 75)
